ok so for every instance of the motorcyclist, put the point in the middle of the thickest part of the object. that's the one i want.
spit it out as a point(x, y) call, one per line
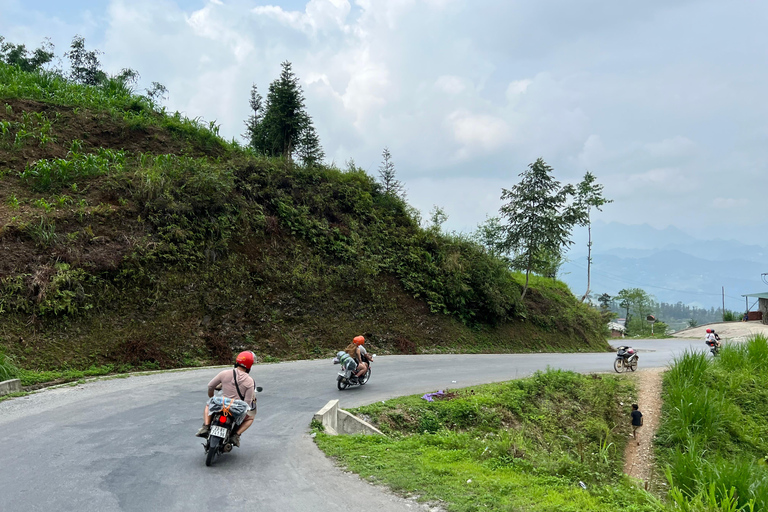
point(357, 351)
point(235, 384)
point(711, 338)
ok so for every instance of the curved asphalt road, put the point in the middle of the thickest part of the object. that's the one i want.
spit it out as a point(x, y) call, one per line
point(127, 444)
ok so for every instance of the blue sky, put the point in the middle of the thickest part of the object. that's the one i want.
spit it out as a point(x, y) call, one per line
point(663, 101)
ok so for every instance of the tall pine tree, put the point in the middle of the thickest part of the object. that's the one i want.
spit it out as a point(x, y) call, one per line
point(388, 175)
point(280, 125)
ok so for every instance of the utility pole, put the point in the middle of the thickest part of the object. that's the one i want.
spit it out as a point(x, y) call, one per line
point(723, 303)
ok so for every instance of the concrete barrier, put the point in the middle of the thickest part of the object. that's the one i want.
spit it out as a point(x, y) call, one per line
point(328, 416)
point(10, 386)
point(337, 421)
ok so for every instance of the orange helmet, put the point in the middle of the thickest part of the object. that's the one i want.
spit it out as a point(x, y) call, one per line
point(246, 360)
point(358, 340)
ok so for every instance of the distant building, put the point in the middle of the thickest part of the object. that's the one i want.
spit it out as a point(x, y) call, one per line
point(762, 307)
point(617, 329)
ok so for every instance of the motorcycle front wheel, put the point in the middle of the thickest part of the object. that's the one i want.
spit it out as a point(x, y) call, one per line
point(618, 365)
point(365, 377)
point(213, 449)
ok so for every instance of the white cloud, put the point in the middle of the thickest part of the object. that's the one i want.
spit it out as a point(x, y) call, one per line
point(516, 88)
point(478, 131)
point(593, 152)
point(657, 176)
point(671, 148)
point(451, 84)
point(318, 15)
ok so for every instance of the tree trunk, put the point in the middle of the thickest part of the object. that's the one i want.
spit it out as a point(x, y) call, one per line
point(589, 260)
point(527, 274)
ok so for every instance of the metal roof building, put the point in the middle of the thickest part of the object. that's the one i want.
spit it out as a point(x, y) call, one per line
point(762, 304)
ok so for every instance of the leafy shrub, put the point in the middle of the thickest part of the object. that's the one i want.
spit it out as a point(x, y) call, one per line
point(8, 370)
point(44, 175)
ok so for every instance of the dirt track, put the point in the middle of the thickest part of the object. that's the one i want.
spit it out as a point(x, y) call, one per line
point(638, 456)
point(735, 331)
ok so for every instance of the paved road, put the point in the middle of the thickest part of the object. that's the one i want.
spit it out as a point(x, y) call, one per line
point(127, 444)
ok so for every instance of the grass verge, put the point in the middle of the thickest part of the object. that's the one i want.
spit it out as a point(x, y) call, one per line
point(554, 441)
point(713, 439)
point(14, 395)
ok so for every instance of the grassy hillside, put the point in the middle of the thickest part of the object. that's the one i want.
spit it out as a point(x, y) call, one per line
point(133, 238)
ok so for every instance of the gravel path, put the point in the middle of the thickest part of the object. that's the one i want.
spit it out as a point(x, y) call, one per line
point(638, 456)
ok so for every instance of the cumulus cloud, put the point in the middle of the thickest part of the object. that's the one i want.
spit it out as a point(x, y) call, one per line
point(477, 131)
point(451, 84)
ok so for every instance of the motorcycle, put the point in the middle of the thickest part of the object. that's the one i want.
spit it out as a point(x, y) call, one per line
point(626, 359)
point(714, 348)
point(346, 377)
point(219, 438)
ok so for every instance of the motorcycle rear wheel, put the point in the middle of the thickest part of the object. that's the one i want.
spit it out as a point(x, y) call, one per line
point(618, 365)
point(633, 365)
point(342, 384)
point(213, 449)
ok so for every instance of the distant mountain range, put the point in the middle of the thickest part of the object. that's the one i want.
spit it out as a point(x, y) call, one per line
point(667, 263)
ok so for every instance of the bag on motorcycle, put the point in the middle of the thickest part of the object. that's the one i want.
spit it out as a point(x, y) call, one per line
point(237, 408)
point(347, 362)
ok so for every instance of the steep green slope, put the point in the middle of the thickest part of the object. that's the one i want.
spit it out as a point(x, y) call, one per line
point(132, 238)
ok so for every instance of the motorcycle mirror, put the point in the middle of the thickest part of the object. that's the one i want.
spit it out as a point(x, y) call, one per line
point(259, 389)
point(373, 355)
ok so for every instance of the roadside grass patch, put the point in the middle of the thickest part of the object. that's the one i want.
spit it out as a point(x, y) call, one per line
point(527, 444)
point(713, 438)
point(18, 394)
point(8, 369)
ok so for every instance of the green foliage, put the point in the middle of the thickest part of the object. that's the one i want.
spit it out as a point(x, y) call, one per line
point(18, 55)
point(45, 175)
point(115, 97)
point(8, 369)
point(717, 407)
point(281, 126)
point(519, 445)
point(731, 316)
point(12, 201)
point(85, 65)
point(388, 175)
point(538, 222)
point(33, 128)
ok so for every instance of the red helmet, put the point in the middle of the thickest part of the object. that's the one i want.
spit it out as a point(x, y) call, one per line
point(709, 330)
point(246, 360)
point(358, 340)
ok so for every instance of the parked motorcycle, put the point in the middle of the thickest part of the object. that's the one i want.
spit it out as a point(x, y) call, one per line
point(346, 376)
point(626, 359)
point(219, 437)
